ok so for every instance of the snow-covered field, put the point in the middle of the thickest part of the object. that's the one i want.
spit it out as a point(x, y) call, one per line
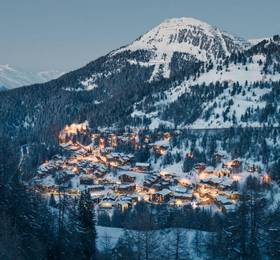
point(164, 241)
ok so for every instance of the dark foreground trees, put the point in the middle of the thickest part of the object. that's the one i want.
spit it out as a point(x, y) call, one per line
point(30, 229)
point(86, 227)
point(250, 232)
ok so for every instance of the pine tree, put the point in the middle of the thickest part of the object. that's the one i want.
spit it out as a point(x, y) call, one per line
point(273, 234)
point(86, 217)
point(52, 201)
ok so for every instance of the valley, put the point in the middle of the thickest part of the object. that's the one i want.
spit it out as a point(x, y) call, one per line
point(165, 148)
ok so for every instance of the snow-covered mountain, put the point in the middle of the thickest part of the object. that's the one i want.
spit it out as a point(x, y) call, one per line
point(199, 40)
point(254, 72)
point(182, 73)
point(13, 78)
point(176, 45)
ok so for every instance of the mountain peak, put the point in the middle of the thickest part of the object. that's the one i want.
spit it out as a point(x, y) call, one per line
point(183, 22)
point(191, 37)
point(187, 35)
point(174, 30)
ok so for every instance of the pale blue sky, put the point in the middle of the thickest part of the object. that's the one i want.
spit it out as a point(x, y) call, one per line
point(66, 34)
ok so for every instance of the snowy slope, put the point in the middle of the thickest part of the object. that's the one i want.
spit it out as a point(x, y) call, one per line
point(235, 73)
point(198, 39)
point(108, 237)
point(13, 78)
point(186, 35)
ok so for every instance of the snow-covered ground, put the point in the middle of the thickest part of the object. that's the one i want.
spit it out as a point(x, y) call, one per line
point(108, 233)
point(242, 74)
point(164, 239)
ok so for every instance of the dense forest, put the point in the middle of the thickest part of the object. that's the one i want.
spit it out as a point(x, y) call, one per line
point(121, 91)
point(32, 227)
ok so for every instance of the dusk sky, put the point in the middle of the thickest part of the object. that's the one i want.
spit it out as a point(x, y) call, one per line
point(66, 34)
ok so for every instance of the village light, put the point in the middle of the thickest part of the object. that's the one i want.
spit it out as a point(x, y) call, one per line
point(75, 128)
point(203, 175)
point(179, 203)
point(146, 198)
point(266, 179)
point(162, 151)
point(166, 136)
point(184, 181)
point(163, 173)
point(236, 178)
point(75, 170)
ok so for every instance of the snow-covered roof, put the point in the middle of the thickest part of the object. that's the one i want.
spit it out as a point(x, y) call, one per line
point(179, 189)
point(140, 164)
point(223, 200)
point(164, 192)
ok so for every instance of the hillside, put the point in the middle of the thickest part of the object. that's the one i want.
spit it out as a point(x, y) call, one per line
point(165, 148)
point(183, 73)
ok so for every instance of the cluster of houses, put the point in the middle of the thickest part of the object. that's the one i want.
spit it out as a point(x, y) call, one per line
point(115, 179)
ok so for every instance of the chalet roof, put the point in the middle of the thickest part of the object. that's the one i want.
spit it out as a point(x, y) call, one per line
point(226, 182)
point(97, 186)
point(125, 186)
point(223, 200)
point(86, 177)
point(125, 198)
point(151, 177)
point(163, 143)
point(140, 164)
point(115, 154)
point(179, 189)
point(110, 197)
point(209, 169)
point(230, 207)
point(164, 192)
point(128, 174)
point(212, 179)
point(182, 195)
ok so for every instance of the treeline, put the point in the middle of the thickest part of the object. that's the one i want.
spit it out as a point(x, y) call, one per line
point(65, 229)
point(160, 217)
point(250, 232)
